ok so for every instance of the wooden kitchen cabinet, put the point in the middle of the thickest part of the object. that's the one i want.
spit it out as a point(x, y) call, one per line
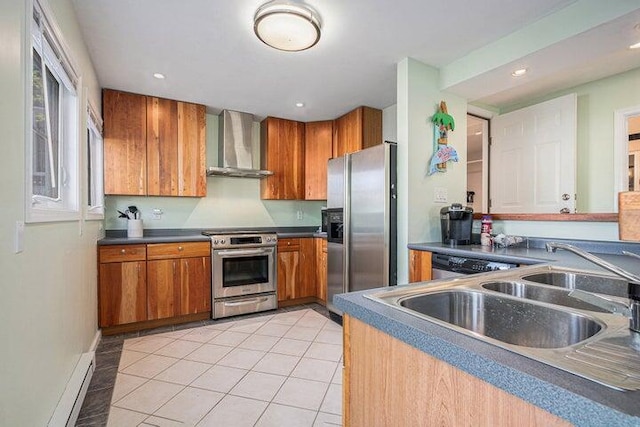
point(321, 269)
point(288, 268)
point(296, 270)
point(179, 279)
point(125, 141)
point(282, 152)
point(419, 266)
point(144, 286)
point(306, 286)
point(122, 290)
point(356, 130)
point(153, 146)
point(318, 149)
point(391, 377)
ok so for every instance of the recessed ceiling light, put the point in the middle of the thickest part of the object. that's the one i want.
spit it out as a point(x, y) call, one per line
point(299, 104)
point(158, 75)
point(635, 46)
point(519, 72)
point(478, 133)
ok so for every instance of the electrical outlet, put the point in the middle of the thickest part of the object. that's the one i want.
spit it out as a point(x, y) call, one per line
point(300, 214)
point(157, 213)
point(440, 195)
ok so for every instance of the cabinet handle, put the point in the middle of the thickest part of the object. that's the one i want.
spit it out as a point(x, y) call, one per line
point(123, 251)
point(180, 248)
point(288, 243)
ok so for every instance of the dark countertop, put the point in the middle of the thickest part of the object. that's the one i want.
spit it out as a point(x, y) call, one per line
point(535, 253)
point(578, 400)
point(119, 237)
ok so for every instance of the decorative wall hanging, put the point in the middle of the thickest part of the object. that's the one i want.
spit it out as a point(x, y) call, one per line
point(442, 151)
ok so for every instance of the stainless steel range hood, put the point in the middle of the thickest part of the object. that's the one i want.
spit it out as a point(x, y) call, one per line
point(235, 147)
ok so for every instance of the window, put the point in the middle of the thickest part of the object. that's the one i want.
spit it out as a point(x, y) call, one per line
point(95, 167)
point(52, 163)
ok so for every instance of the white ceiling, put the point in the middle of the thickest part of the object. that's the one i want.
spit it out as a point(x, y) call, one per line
point(209, 54)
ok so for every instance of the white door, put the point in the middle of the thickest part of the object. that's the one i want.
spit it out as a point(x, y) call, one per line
point(533, 158)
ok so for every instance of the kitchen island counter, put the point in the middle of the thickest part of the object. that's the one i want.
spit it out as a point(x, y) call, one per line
point(569, 397)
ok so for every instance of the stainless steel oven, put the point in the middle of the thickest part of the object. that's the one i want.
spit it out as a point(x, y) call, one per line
point(243, 272)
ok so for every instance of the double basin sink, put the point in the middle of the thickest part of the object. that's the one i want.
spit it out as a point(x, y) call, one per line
point(530, 311)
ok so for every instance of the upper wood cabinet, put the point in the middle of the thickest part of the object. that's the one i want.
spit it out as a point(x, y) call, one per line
point(282, 152)
point(318, 149)
point(125, 143)
point(153, 146)
point(358, 129)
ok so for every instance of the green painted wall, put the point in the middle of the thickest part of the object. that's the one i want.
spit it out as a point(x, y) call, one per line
point(418, 98)
point(48, 308)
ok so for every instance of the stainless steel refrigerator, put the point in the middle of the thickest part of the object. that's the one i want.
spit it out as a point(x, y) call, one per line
point(361, 214)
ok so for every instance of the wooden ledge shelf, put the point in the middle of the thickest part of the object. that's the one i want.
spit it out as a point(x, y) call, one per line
point(585, 217)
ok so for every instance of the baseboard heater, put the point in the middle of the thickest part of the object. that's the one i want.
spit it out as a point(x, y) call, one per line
point(68, 409)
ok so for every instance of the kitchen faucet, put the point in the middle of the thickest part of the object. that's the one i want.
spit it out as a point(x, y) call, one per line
point(633, 310)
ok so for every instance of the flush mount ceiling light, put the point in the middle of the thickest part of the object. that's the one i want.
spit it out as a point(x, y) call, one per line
point(635, 46)
point(291, 27)
point(158, 76)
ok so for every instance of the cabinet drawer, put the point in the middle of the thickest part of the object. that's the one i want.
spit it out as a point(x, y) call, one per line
point(288, 244)
point(178, 250)
point(122, 253)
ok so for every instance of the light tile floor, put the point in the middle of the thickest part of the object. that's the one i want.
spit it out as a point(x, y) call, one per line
point(283, 369)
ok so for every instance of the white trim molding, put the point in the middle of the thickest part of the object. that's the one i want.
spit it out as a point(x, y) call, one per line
point(621, 150)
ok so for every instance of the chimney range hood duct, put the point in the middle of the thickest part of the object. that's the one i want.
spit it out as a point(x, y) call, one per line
point(235, 147)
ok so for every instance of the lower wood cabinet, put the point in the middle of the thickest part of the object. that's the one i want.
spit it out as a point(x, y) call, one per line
point(122, 289)
point(296, 269)
point(419, 266)
point(408, 387)
point(179, 279)
point(321, 269)
point(140, 283)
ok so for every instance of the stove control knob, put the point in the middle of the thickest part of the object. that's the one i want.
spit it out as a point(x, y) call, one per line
point(215, 241)
point(222, 241)
point(268, 239)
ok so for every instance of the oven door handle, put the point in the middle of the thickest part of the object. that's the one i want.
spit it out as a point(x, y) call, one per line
point(244, 252)
point(246, 302)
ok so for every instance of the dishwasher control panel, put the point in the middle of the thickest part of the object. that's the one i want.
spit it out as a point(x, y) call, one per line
point(464, 265)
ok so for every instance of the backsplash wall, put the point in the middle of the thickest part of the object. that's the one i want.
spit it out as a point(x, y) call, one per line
point(230, 202)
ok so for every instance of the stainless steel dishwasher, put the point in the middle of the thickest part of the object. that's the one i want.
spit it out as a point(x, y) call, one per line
point(443, 266)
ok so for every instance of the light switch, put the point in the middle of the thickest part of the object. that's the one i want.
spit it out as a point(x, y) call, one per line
point(440, 195)
point(19, 237)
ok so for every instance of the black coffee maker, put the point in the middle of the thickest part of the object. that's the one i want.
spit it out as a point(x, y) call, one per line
point(456, 222)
